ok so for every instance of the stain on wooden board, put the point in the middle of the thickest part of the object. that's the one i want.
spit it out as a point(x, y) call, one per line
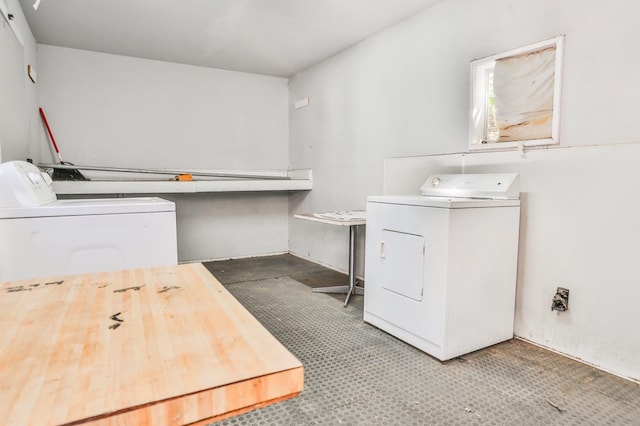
point(29, 287)
point(122, 290)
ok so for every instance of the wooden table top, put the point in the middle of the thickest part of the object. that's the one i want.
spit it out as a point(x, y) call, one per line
point(158, 346)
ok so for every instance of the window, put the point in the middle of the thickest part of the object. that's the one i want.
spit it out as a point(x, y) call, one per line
point(515, 97)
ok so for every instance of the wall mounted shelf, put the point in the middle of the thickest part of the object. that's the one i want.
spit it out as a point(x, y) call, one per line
point(296, 180)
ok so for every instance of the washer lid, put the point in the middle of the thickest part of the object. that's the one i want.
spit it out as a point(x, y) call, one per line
point(441, 202)
point(492, 186)
point(89, 207)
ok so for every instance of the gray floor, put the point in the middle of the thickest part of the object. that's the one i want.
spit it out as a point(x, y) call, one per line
point(356, 374)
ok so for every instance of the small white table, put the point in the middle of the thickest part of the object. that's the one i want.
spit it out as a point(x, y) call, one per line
point(352, 219)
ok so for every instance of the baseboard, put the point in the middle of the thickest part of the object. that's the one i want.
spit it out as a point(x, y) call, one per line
point(217, 259)
point(576, 359)
point(324, 265)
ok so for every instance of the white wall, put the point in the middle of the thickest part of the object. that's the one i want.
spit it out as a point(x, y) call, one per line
point(230, 225)
point(405, 92)
point(109, 110)
point(18, 105)
point(117, 110)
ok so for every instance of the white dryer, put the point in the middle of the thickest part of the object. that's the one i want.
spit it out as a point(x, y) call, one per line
point(440, 271)
point(41, 236)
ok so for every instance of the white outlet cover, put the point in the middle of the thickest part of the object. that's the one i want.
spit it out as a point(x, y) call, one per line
point(301, 103)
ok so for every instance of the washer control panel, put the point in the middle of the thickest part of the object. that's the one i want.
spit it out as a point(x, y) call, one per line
point(23, 185)
point(486, 186)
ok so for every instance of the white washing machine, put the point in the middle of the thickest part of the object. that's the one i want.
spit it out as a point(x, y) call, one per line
point(440, 271)
point(41, 236)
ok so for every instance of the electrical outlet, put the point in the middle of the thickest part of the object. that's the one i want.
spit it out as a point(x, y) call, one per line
point(560, 300)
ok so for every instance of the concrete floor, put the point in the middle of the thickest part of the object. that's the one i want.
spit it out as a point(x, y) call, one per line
point(355, 374)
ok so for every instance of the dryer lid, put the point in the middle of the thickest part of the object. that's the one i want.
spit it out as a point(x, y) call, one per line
point(505, 186)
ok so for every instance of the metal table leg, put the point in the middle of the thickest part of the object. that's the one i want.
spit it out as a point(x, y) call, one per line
point(352, 288)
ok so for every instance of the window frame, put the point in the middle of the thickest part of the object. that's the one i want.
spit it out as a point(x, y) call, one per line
point(478, 112)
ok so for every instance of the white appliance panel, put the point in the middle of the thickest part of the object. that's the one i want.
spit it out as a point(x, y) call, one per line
point(53, 246)
point(481, 278)
point(402, 257)
point(86, 207)
point(419, 323)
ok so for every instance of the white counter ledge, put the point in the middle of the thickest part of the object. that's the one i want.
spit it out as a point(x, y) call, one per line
point(295, 180)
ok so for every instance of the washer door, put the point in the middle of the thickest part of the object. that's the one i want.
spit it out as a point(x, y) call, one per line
point(402, 266)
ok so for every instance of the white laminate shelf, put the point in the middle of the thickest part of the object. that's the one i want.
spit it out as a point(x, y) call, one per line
point(299, 180)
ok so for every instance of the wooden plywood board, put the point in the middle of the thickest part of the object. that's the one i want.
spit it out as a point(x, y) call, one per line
point(165, 345)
